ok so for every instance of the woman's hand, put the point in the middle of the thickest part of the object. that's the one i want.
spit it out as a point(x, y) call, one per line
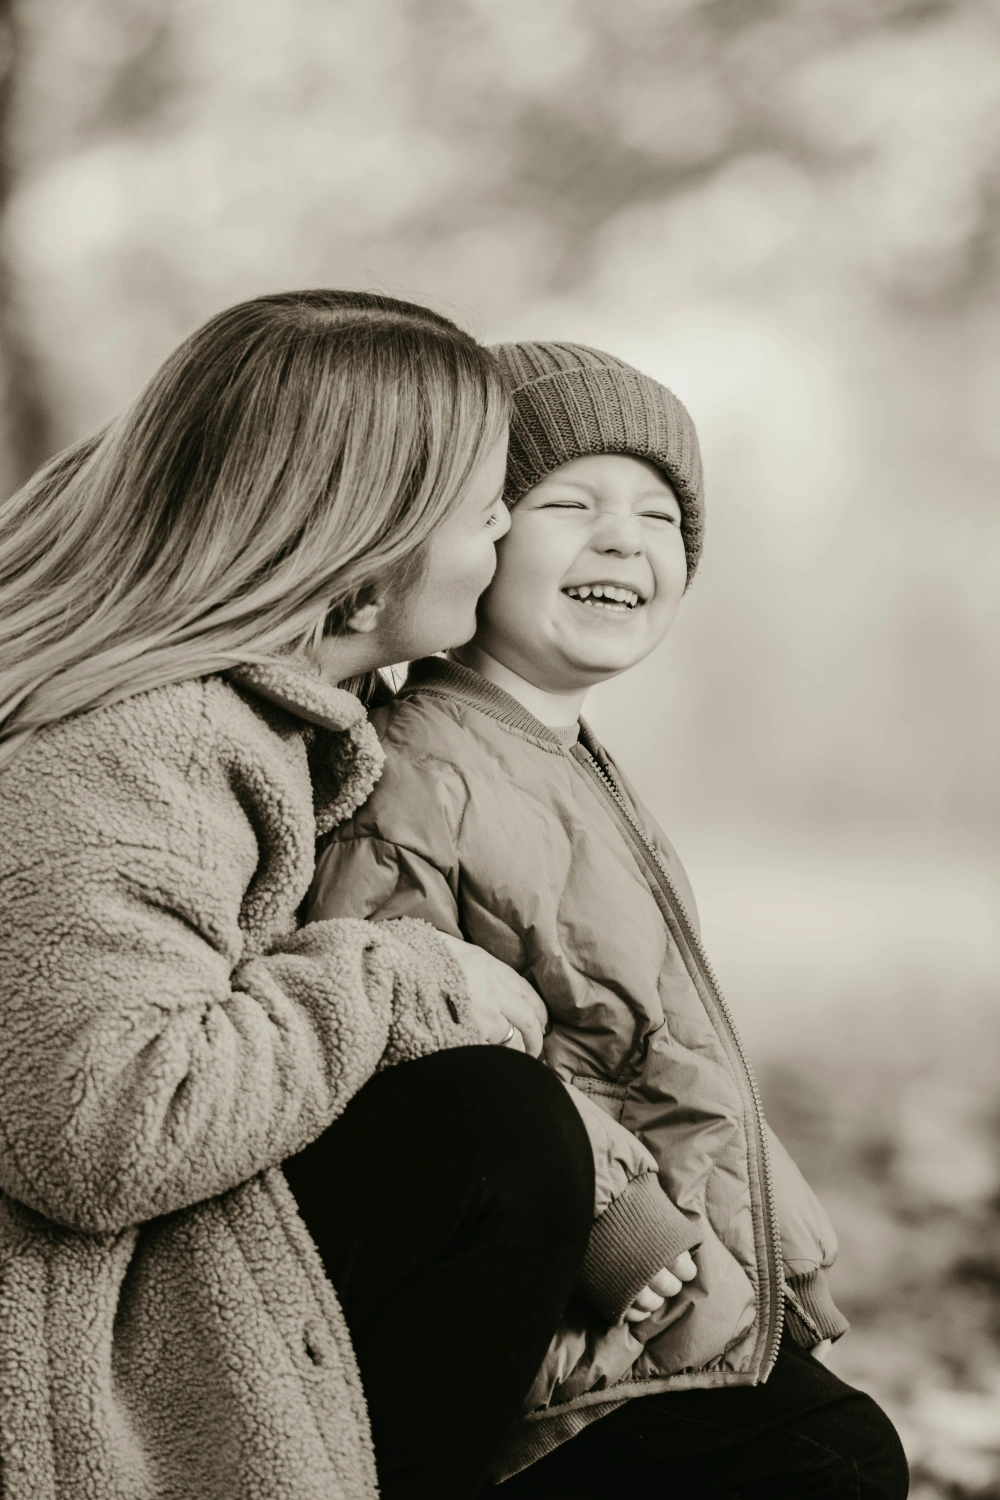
point(666, 1283)
point(500, 998)
point(821, 1351)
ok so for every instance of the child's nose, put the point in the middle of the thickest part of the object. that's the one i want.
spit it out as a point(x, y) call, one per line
point(619, 535)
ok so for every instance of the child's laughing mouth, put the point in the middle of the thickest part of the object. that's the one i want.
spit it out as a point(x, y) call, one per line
point(611, 598)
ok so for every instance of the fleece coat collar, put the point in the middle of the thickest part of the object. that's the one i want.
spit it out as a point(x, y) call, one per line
point(343, 749)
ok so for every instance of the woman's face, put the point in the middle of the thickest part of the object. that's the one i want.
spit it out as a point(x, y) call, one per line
point(460, 561)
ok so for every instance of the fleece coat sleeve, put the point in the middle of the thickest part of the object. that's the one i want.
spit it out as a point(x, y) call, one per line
point(637, 1229)
point(150, 1059)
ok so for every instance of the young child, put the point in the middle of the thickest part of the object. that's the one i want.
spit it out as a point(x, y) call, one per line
point(501, 820)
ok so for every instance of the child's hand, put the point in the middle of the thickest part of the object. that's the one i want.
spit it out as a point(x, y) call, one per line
point(500, 998)
point(666, 1283)
point(821, 1351)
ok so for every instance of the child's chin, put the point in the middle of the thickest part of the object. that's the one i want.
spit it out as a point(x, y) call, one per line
point(607, 663)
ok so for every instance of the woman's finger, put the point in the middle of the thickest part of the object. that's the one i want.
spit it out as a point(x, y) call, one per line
point(496, 990)
point(496, 1028)
point(523, 1017)
point(647, 1300)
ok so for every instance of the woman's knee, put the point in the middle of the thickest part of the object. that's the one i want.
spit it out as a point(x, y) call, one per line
point(503, 1114)
point(530, 1144)
point(891, 1472)
point(882, 1470)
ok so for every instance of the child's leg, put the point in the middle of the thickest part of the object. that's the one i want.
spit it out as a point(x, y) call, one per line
point(803, 1434)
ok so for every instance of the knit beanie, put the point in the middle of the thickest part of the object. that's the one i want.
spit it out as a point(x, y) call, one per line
point(570, 401)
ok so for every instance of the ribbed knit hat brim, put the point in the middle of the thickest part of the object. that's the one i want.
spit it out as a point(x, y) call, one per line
point(570, 401)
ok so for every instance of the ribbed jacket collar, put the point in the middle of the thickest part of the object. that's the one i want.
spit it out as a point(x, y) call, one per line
point(436, 674)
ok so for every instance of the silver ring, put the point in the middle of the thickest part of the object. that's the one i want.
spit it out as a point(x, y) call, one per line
point(509, 1037)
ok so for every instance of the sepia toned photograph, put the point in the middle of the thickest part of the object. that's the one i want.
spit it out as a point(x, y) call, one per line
point(499, 747)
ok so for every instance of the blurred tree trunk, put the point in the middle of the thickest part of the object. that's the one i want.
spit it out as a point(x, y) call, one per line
point(25, 425)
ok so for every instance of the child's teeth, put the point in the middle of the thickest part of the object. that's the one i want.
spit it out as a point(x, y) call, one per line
point(608, 594)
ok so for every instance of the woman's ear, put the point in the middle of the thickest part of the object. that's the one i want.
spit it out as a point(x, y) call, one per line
point(364, 620)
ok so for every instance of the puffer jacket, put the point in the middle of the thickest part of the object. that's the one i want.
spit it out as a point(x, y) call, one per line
point(168, 1036)
point(486, 823)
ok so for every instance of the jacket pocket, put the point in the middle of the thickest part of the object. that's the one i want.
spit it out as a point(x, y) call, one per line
point(610, 1096)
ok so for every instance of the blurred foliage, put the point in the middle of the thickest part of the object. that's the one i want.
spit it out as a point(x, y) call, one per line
point(788, 210)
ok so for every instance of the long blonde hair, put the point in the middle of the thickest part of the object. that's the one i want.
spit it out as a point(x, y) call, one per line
point(289, 459)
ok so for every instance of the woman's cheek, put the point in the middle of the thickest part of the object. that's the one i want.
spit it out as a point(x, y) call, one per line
point(487, 568)
point(460, 593)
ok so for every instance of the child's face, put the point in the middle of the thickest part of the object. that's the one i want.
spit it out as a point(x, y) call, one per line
point(606, 519)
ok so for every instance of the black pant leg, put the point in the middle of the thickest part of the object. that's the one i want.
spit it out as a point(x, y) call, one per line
point(451, 1204)
point(804, 1435)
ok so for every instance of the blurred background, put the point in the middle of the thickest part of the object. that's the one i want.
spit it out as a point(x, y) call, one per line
point(789, 211)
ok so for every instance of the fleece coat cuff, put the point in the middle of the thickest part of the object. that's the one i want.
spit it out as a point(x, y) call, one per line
point(641, 1232)
point(810, 1312)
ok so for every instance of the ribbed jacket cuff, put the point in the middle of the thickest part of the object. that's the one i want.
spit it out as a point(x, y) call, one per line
point(810, 1311)
point(641, 1232)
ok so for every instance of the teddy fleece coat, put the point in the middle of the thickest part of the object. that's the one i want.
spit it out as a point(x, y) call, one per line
point(168, 1036)
point(486, 823)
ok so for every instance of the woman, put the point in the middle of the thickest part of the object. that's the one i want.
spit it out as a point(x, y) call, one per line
point(308, 489)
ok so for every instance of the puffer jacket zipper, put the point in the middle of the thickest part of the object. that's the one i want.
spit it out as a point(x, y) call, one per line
point(611, 790)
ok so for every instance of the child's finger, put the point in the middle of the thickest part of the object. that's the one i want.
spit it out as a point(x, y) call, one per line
point(636, 1314)
point(684, 1266)
point(665, 1283)
point(647, 1300)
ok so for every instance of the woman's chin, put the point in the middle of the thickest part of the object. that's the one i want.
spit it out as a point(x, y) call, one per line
point(460, 635)
point(463, 639)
